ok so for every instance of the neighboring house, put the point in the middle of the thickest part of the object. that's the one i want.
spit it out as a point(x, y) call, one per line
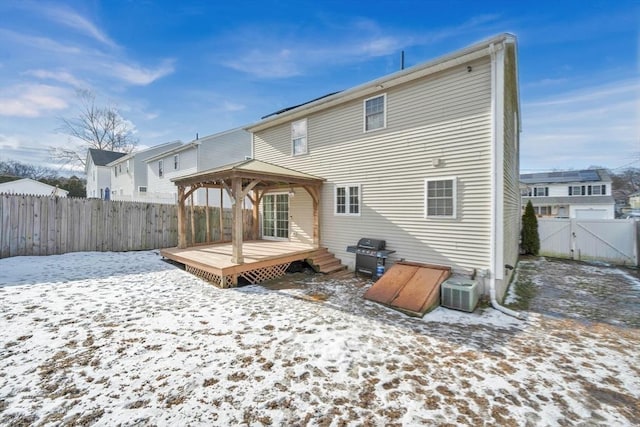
point(98, 173)
point(129, 175)
point(426, 158)
point(31, 187)
point(199, 155)
point(569, 194)
point(634, 200)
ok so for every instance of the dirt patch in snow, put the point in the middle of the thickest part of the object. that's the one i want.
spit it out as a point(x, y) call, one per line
point(587, 292)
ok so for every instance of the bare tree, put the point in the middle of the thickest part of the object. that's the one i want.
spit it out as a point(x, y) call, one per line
point(102, 128)
point(14, 169)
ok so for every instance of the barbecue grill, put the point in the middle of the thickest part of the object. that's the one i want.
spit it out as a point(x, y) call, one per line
point(370, 253)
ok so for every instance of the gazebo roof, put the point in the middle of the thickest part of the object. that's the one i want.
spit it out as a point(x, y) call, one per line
point(250, 169)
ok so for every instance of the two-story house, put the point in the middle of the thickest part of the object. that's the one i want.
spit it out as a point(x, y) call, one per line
point(426, 158)
point(129, 175)
point(201, 154)
point(98, 173)
point(569, 194)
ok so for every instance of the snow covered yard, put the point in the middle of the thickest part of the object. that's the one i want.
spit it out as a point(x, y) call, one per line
point(125, 338)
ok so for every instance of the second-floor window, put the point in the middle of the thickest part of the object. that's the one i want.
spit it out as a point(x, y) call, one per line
point(588, 190)
point(375, 113)
point(539, 191)
point(160, 169)
point(176, 162)
point(576, 190)
point(299, 137)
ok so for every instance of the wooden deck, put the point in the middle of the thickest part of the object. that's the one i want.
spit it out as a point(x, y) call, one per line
point(263, 260)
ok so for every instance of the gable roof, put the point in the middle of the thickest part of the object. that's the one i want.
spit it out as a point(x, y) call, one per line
point(140, 154)
point(463, 56)
point(103, 157)
point(562, 177)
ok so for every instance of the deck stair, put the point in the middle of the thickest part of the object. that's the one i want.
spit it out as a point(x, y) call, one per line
point(323, 261)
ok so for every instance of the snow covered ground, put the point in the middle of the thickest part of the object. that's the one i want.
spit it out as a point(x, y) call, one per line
point(125, 338)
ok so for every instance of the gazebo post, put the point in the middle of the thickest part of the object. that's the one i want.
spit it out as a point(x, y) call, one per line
point(236, 229)
point(182, 225)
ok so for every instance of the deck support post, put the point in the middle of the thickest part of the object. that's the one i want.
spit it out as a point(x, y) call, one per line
point(236, 229)
point(182, 225)
point(314, 192)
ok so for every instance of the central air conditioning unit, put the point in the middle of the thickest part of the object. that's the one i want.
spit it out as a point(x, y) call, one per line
point(459, 294)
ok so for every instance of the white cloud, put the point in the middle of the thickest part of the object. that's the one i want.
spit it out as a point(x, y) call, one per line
point(137, 75)
point(11, 38)
point(266, 64)
point(595, 125)
point(74, 20)
point(32, 100)
point(60, 76)
point(232, 106)
point(266, 54)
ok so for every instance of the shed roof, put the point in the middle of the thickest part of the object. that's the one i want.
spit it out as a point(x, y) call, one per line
point(26, 186)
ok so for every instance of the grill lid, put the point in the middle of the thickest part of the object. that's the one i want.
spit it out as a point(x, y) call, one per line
point(375, 244)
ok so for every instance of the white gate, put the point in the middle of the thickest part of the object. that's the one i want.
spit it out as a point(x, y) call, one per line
point(610, 240)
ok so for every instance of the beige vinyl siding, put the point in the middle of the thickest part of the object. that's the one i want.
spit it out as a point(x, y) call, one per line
point(301, 217)
point(444, 116)
point(512, 198)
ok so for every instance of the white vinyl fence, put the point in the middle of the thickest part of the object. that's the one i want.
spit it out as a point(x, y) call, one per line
point(614, 241)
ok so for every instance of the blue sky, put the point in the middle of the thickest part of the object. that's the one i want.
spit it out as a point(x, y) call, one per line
point(177, 68)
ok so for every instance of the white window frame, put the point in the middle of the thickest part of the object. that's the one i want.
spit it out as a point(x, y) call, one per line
point(384, 113)
point(573, 190)
point(160, 169)
point(454, 197)
point(176, 162)
point(347, 204)
point(305, 137)
point(142, 189)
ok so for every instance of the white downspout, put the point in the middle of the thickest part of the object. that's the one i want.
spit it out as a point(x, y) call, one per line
point(494, 186)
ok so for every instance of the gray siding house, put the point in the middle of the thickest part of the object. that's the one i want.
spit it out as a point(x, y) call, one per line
point(129, 174)
point(425, 158)
point(98, 173)
point(199, 155)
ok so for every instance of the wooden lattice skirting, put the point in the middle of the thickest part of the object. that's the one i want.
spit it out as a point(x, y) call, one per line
point(253, 276)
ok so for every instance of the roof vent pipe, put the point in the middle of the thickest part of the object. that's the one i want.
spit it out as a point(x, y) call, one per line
point(402, 60)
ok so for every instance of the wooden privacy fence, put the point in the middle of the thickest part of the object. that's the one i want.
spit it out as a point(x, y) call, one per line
point(615, 241)
point(39, 225)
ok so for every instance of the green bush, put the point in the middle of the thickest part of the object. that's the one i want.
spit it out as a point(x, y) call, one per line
point(530, 242)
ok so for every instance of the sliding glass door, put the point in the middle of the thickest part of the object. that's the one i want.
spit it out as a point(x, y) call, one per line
point(275, 216)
